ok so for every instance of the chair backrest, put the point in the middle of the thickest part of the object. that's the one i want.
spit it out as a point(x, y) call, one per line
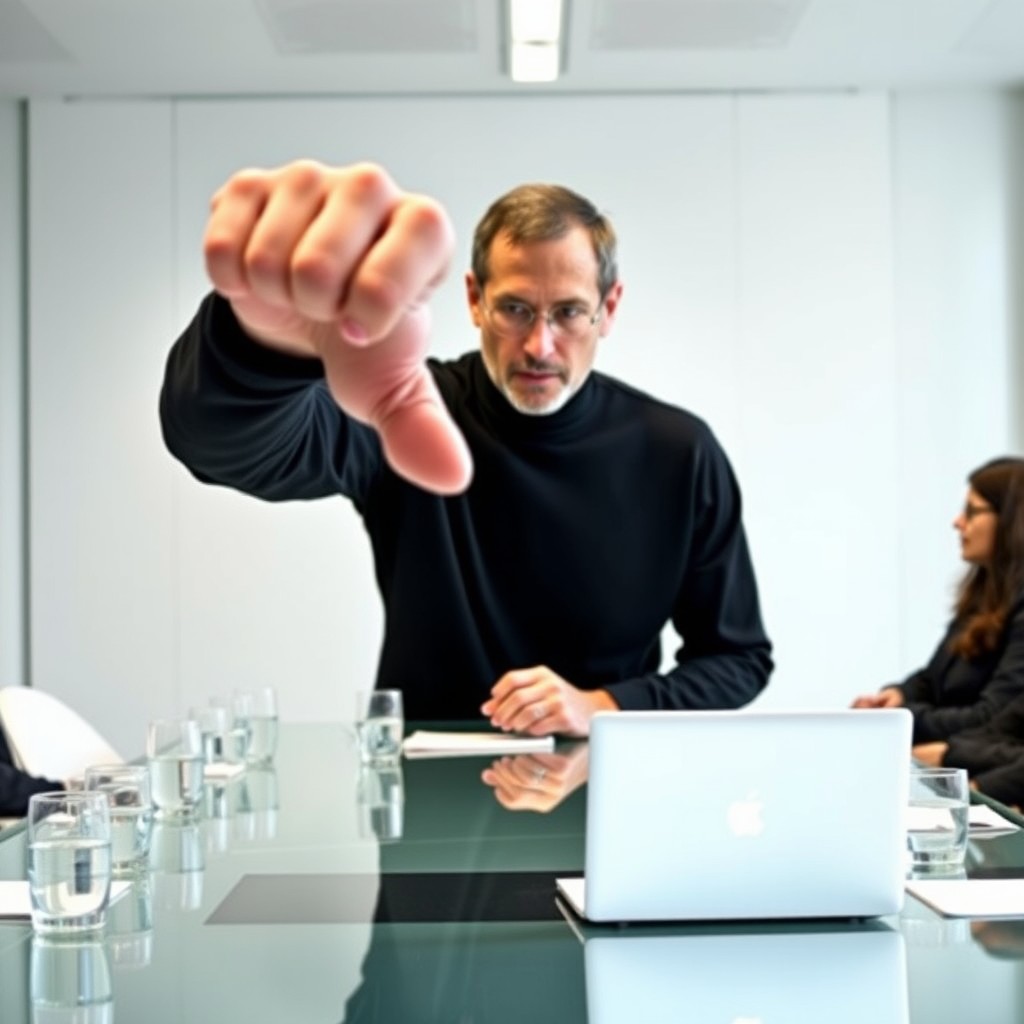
point(49, 739)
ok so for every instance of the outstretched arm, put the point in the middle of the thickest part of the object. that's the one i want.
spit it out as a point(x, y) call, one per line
point(334, 267)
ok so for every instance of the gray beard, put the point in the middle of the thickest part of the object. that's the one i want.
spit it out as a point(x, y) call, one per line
point(557, 403)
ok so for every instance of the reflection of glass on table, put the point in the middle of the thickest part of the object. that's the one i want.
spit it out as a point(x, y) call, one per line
point(130, 924)
point(256, 804)
point(70, 982)
point(380, 795)
point(178, 861)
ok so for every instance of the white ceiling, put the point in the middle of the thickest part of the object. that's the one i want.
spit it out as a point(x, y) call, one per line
point(228, 47)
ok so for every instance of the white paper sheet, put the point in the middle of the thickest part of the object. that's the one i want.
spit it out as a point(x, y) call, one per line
point(16, 903)
point(423, 743)
point(222, 771)
point(971, 897)
point(983, 821)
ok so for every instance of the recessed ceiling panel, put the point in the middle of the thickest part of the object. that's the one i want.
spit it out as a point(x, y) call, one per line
point(694, 24)
point(999, 30)
point(23, 38)
point(371, 26)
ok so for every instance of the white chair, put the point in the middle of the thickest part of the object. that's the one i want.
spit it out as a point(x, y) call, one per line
point(49, 739)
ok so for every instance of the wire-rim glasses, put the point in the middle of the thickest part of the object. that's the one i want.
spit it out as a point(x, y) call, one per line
point(515, 319)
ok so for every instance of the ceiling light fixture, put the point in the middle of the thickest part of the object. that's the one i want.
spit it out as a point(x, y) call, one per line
point(535, 40)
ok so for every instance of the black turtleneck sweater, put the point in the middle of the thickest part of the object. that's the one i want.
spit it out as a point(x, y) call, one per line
point(583, 532)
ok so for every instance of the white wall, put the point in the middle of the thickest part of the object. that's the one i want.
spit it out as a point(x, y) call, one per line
point(12, 619)
point(104, 603)
point(764, 246)
point(954, 172)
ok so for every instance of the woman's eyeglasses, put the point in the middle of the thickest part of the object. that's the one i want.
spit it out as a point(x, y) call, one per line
point(970, 511)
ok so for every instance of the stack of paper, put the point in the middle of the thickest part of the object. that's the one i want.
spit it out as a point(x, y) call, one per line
point(462, 744)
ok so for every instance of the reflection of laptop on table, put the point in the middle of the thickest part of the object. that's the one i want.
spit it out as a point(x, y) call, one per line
point(854, 974)
point(718, 815)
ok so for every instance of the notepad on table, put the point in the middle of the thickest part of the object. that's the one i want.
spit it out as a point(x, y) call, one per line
point(423, 743)
point(971, 897)
point(16, 903)
point(984, 821)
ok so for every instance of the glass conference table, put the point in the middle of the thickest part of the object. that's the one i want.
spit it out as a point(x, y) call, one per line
point(318, 891)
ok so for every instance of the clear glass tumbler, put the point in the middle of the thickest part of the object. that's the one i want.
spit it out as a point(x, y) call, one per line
point(69, 861)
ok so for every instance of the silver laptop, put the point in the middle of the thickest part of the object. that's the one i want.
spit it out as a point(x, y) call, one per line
point(733, 815)
point(853, 975)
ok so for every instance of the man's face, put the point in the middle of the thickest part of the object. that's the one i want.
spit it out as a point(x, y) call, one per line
point(538, 367)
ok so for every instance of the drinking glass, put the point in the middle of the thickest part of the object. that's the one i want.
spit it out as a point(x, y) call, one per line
point(256, 712)
point(216, 726)
point(380, 724)
point(238, 732)
point(937, 818)
point(68, 861)
point(127, 787)
point(174, 747)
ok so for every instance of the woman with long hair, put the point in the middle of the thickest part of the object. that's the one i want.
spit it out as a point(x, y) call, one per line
point(978, 668)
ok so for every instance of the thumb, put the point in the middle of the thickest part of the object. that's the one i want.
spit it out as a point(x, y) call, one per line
point(422, 443)
point(387, 385)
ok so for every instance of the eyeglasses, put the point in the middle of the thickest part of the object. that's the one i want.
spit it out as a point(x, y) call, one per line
point(515, 319)
point(970, 511)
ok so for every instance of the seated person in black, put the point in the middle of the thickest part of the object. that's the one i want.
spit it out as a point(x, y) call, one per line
point(993, 754)
point(978, 668)
point(534, 524)
point(17, 786)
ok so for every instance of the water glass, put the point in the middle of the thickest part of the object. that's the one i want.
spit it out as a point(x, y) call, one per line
point(380, 723)
point(127, 787)
point(70, 981)
point(937, 818)
point(217, 729)
point(68, 861)
point(256, 713)
point(174, 747)
point(237, 743)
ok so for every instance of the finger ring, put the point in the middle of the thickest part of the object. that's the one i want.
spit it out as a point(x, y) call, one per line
point(538, 712)
point(539, 773)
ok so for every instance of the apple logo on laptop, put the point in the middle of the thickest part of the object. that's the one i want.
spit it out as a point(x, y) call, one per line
point(746, 817)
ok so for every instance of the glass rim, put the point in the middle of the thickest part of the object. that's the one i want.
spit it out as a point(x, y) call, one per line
point(116, 769)
point(65, 795)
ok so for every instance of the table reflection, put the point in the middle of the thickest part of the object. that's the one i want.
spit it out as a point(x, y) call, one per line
point(474, 972)
point(538, 782)
point(178, 860)
point(380, 800)
point(853, 974)
point(130, 924)
point(69, 982)
point(257, 804)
